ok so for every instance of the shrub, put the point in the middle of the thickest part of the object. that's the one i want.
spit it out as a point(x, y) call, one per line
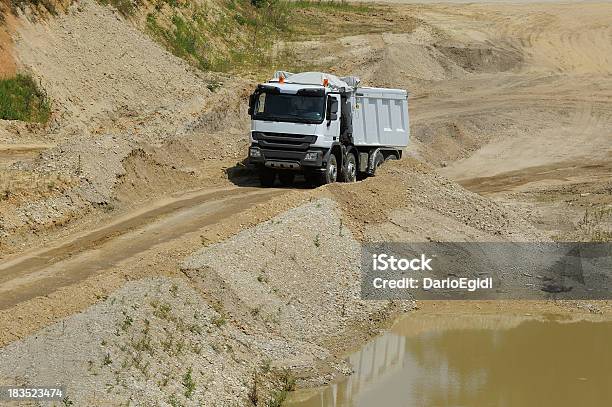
point(21, 99)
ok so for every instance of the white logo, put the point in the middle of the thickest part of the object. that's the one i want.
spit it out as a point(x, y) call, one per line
point(382, 262)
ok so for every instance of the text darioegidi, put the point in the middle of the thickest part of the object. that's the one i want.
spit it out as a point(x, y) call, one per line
point(384, 262)
point(428, 283)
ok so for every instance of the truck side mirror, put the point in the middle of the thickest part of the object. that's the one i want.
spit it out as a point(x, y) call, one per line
point(332, 109)
point(251, 104)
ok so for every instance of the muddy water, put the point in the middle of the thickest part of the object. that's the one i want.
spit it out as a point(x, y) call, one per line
point(477, 361)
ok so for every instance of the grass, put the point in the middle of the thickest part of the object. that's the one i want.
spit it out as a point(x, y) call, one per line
point(189, 384)
point(219, 321)
point(287, 380)
point(330, 5)
point(266, 365)
point(125, 7)
point(22, 4)
point(174, 402)
point(287, 384)
point(184, 38)
point(593, 225)
point(253, 393)
point(241, 35)
point(279, 386)
point(21, 99)
point(162, 311)
point(237, 35)
point(127, 322)
point(106, 360)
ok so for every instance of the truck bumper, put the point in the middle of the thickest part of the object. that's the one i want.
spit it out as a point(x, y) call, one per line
point(287, 159)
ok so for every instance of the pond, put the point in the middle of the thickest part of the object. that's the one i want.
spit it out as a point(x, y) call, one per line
point(476, 361)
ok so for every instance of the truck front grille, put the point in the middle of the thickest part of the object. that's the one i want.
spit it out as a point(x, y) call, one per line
point(283, 141)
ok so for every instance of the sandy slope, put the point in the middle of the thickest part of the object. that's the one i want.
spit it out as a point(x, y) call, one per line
point(512, 100)
point(126, 112)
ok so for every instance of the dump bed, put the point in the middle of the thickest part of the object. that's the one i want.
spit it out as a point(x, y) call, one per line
point(380, 117)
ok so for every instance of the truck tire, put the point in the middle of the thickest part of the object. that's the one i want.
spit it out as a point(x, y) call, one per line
point(392, 157)
point(331, 171)
point(328, 176)
point(379, 158)
point(349, 170)
point(267, 177)
point(286, 178)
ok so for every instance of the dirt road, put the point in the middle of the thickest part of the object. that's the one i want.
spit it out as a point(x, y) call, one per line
point(43, 271)
point(11, 153)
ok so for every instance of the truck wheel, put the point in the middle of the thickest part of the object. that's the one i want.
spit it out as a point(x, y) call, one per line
point(331, 171)
point(267, 177)
point(349, 171)
point(286, 178)
point(391, 157)
point(379, 158)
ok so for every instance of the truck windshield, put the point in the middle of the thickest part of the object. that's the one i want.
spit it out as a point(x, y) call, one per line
point(289, 108)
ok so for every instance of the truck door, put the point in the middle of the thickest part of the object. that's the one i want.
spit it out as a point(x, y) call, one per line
point(332, 118)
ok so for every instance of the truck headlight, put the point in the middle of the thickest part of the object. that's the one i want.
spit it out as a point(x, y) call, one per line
point(255, 152)
point(311, 156)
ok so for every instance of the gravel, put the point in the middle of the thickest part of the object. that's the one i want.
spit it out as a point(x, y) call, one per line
point(281, 295)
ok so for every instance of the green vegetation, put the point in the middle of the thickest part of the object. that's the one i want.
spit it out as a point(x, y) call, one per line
point(174, 402)
point(219, 321)
point(240, 34)
point(45, 4)
point(125, 7)
point(127, 322)
point(162, 311)
point(21, 99)
point(330, 5)
point(189, 384)
point(594, 225)
point(287, 384)
point(106, 360)
point(253, 393)
point(278, 388)
point(266, 365)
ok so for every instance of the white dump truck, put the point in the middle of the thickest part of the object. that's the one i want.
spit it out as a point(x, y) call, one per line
point(325, 127)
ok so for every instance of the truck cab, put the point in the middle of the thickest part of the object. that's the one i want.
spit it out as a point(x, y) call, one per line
point(303, 123)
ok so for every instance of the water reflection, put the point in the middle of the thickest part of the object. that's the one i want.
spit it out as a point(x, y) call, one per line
point(525, 363)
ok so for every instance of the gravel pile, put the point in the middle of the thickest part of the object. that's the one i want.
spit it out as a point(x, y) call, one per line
point(154, 342)
point(410, 201)
point(280, 297)
point(296, 275)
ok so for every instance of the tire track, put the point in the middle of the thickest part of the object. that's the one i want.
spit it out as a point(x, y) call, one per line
point(44, 271)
